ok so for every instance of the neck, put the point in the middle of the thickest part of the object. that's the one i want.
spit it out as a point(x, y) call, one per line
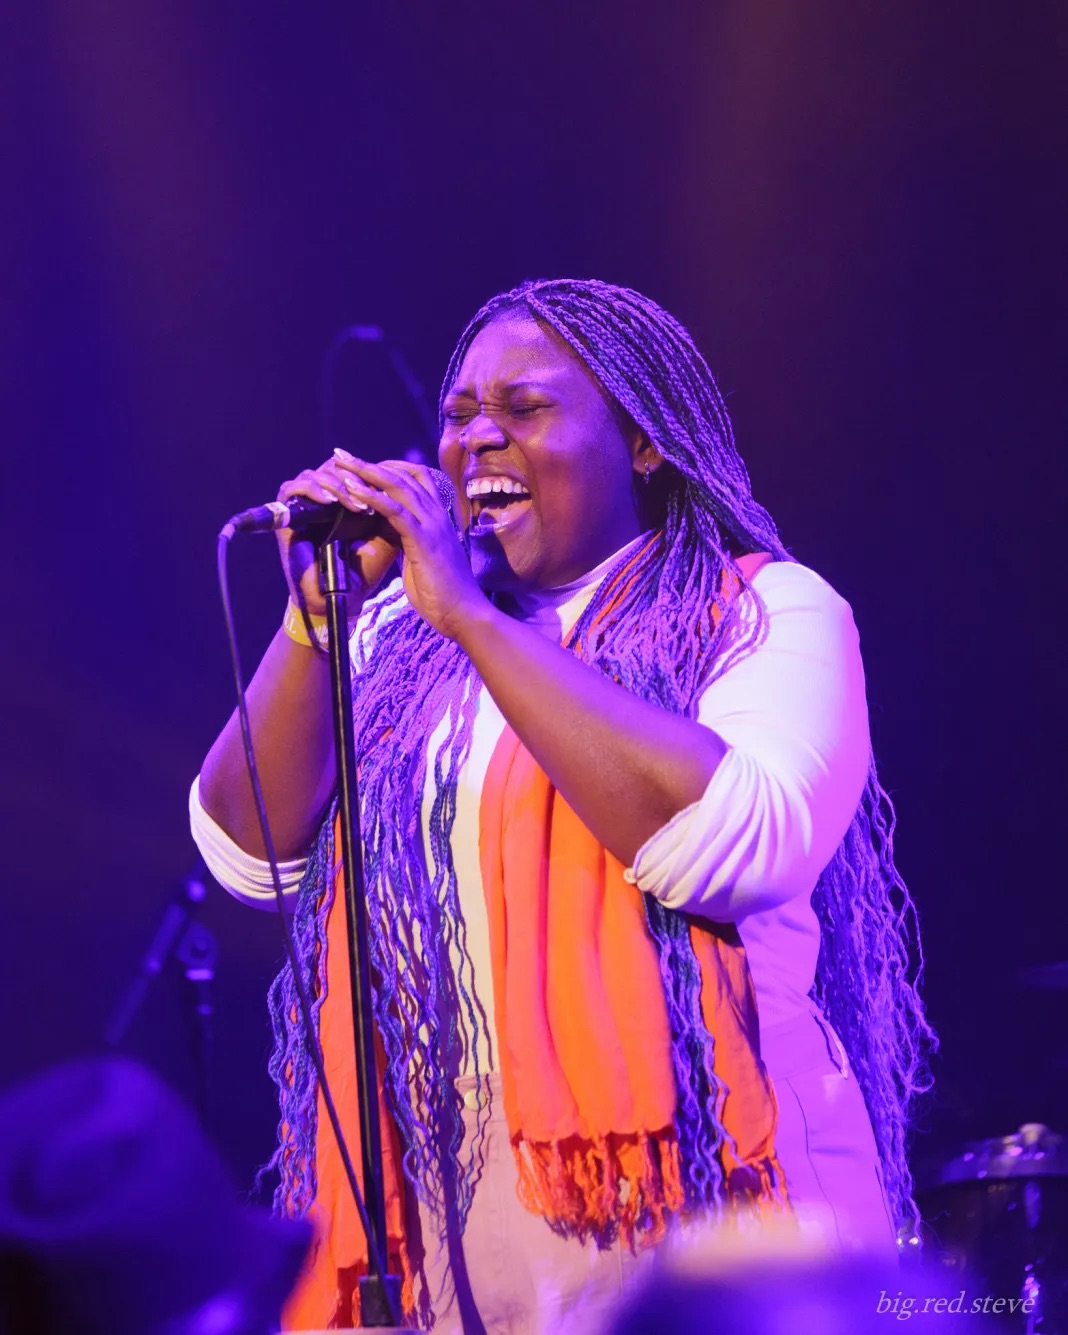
point(557, 609)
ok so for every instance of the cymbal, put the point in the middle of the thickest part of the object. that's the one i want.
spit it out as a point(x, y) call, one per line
point(1033, 1151)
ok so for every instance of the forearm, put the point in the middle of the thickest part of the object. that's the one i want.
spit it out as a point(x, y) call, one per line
point(292, 731)
point(625, 766)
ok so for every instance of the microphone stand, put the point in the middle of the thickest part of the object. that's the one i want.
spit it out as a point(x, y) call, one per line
point(198, 953)
point(178, 935)
point(375, 1290)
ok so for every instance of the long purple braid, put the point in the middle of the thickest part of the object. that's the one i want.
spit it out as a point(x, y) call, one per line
point(410, 680)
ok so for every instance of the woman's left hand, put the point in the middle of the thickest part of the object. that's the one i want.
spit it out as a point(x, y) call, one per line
point(437, 574)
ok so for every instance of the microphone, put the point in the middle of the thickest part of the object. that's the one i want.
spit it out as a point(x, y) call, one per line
point(300, 514)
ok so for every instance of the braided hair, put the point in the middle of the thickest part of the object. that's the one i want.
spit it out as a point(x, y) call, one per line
point(682, 626)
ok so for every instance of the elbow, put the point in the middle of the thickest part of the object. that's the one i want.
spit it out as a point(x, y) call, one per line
point(664, 789)
point(777, 854)
point(216, 799)
point(748, 845)
point(239, 872)
point(680, 784)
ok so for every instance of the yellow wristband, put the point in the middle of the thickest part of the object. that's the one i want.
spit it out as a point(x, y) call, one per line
point(295, 624)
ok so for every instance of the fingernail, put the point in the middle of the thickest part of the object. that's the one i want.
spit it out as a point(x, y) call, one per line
point(344, 456)
point(354, 485)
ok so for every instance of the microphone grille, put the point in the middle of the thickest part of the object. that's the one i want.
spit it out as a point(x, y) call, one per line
point(446, 492)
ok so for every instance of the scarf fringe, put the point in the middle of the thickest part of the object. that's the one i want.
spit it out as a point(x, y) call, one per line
point(607, 1188)
point(628, 1187)
point(759, 1188)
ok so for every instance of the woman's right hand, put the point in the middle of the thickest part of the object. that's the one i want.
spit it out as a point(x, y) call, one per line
point(368, 559)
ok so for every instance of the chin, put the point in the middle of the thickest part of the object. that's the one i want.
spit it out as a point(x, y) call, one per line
point(499, 570)
point(491, 567)
point(493, 574)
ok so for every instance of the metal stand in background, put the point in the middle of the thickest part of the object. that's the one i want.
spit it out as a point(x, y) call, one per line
point(198, 953)
point(183, 936)
point(378, 1293)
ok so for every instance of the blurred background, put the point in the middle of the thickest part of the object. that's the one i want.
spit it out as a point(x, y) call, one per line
point(858, 209)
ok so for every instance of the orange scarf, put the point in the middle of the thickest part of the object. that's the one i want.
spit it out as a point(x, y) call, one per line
point(583, 1040)
point(583, 1036)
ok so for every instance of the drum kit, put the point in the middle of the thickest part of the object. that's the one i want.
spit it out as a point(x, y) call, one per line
point(996, 1215)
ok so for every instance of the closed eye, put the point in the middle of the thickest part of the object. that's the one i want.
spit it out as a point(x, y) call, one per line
point(459, 416)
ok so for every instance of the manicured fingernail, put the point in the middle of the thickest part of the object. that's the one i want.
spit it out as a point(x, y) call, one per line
point(354, 485)
point(344, 456)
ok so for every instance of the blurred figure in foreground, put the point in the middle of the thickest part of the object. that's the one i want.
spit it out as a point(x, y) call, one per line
point(784, 1282)
point(117, 1214)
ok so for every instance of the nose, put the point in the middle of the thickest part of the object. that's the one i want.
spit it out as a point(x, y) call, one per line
point(483, 432)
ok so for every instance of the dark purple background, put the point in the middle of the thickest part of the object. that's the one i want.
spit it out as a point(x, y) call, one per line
point(859, 210)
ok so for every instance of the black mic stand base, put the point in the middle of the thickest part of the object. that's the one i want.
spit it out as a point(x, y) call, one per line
point(375, 1307)
point(378, 1298)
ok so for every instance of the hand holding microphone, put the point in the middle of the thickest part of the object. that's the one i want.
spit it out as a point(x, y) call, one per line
point(300, 513)
point(382, 511)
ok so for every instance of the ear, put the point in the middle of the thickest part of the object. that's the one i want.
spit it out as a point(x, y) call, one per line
point(645, 457)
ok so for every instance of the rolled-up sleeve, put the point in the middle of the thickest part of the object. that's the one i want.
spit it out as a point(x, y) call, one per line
point(249, 878)
point(245, 877)
point(793, 712)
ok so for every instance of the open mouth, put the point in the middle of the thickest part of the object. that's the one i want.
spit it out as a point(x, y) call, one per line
point(496, 502)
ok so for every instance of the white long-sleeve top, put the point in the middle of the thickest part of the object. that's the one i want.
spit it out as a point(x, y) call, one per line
point(793, 713)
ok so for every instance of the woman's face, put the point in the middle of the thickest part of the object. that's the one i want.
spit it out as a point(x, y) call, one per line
point(542, 463)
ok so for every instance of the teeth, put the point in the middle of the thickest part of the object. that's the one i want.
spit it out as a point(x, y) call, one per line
point(485, 486)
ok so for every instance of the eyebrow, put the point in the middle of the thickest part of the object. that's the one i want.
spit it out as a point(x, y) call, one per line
point(545, 383)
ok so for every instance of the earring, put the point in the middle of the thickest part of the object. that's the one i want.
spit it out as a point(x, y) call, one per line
point(647, 474)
